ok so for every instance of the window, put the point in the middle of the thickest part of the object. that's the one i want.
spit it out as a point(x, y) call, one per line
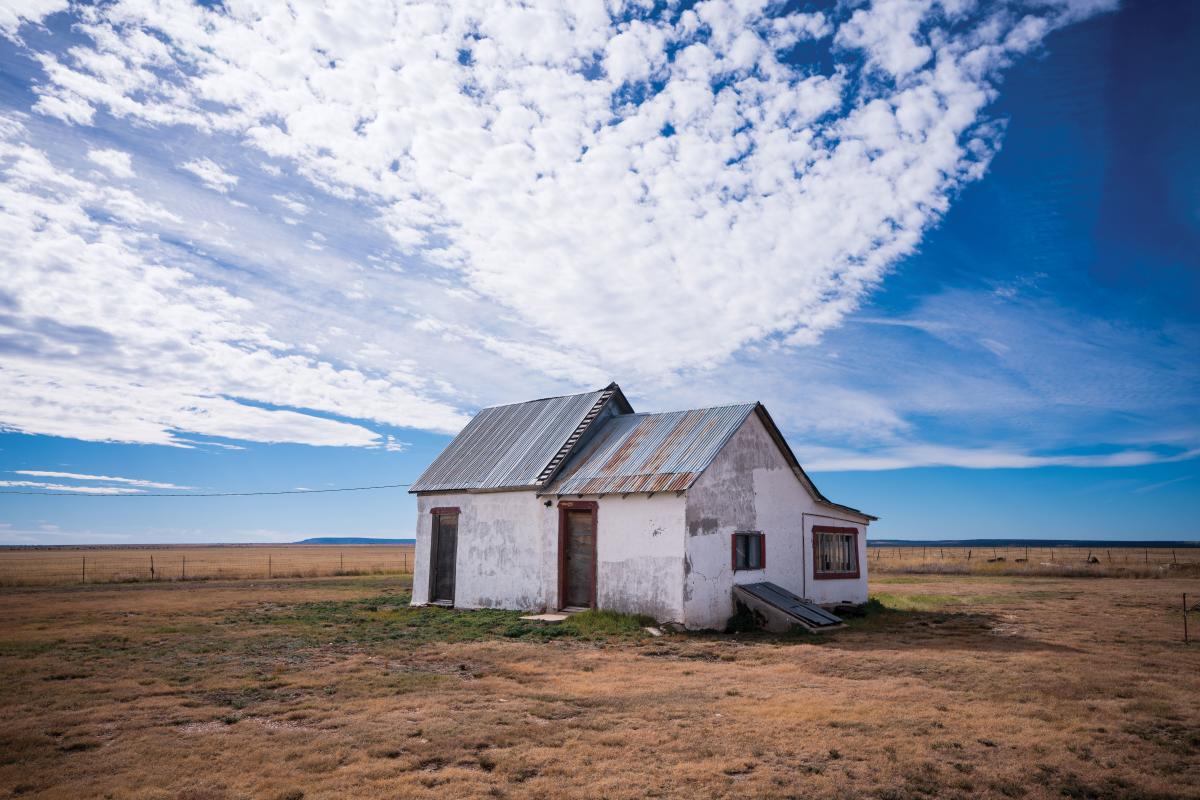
point(835, 552)
point(749, 550)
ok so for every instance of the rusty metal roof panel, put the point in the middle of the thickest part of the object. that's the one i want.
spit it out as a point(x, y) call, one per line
point(650, 452)
point(517, 446)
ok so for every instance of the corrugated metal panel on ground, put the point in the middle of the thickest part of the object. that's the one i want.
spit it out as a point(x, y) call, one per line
point(650, 452)
point(808, 614)
point(508, 446)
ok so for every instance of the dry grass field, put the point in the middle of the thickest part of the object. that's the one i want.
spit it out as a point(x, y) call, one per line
point(25, 566)
point(1132, 562)
point(950, 687)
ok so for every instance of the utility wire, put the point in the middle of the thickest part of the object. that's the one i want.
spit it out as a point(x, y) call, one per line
point(215, 494)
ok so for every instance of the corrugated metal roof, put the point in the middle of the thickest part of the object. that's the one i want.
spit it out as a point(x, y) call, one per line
point(514, 446)
point(593, 443)
point(650, 452)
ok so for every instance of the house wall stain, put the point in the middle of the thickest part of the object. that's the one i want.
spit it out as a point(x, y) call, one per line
point(750, 486)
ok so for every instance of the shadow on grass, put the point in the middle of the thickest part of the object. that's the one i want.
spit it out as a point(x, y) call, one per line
point(931, 622)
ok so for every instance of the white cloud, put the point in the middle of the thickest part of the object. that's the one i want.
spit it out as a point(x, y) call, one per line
point(544, 227)
point(76, 476)
point(822, 460)
point(14, 13)
point(60, 487)
point(291, 204)
point(117, 162)
point(211, 174)
point(107, 336)
point(489, 142)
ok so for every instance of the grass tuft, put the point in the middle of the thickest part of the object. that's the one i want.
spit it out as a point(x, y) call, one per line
point(598, 622)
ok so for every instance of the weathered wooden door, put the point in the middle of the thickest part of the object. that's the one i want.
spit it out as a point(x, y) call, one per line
point(445, 547)
point(579, 557)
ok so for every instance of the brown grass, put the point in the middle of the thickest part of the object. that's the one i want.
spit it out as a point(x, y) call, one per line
point(1063, 562)
point(951, 687)
point(28, 566)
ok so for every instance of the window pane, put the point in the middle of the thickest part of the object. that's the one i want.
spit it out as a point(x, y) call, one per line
point(752, 544)
point(836, 553)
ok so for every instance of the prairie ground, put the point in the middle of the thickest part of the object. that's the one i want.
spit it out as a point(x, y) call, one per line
point(951, 686)
point(63, 564)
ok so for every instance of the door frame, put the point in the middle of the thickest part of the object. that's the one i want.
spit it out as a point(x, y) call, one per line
point(434, 533)
point(563, 507)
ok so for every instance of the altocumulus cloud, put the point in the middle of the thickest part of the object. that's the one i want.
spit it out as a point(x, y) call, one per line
point(602, 176)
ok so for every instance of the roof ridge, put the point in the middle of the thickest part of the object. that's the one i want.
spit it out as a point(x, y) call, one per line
point(747, 404)
point(552, 397)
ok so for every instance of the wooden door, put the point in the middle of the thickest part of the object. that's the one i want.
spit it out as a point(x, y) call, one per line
point(445, 547)
point(579, 557)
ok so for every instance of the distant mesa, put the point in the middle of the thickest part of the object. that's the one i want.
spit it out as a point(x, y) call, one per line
point(353, 540)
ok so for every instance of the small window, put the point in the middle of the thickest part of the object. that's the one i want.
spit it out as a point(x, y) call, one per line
point(835, 552)
point(749, 550)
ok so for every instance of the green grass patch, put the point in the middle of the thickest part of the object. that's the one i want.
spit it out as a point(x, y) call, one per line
point(389, 618)
point(915, 602)
point(597, 622)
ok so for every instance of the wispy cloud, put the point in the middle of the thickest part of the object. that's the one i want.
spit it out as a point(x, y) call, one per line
point(117, 162)
point(148, 350)
point(211, 174)
point(1153, 487)
point(76, 476)
point(62, 487)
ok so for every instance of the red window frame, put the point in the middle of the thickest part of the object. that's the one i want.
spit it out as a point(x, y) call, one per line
point(762, 551)
point(833, 576)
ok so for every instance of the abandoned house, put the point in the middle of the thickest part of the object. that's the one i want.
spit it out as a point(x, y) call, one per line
point(579, 502)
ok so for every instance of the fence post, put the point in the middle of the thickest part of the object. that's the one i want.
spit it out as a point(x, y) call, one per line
point(1185, 610)
point(83, 570)
point(268, 565)
point(183, 570)
point(151, 566)
point(341, 562)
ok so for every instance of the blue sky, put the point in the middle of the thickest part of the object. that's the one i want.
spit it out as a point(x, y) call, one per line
point(954, 247)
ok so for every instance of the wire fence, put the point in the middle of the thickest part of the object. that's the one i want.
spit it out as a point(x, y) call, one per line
point(1051, 560)
point(60, 565)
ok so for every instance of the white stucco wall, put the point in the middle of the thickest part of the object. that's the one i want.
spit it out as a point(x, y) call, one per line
point(508, 552)
point(639, 555)
point(751, 487)
point(501, 550)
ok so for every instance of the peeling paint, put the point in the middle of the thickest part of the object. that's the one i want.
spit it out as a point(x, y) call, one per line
point(751, 486)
